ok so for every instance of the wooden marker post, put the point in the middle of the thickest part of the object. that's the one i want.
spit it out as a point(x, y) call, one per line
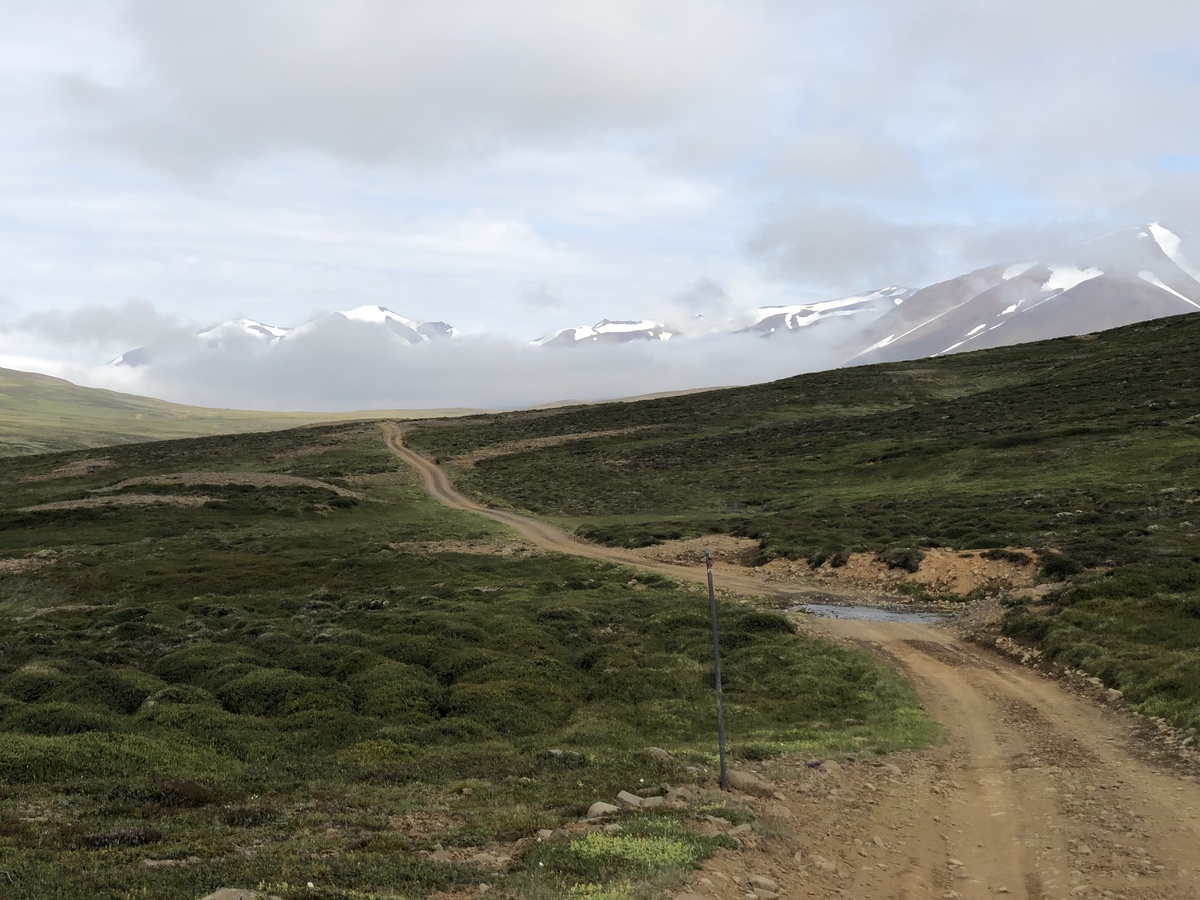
point(712, 602)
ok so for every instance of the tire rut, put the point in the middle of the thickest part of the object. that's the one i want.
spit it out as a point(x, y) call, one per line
point(1037, 794)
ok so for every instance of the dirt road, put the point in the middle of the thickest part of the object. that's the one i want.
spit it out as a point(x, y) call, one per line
point(1037, 794)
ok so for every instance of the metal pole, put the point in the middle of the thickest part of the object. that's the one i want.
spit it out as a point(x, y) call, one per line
point(712, 602)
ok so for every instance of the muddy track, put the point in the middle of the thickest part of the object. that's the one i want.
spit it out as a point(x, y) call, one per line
point(1037, 794)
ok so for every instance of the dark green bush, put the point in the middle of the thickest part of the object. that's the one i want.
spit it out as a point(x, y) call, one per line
point(906, 558)
point(765, 622)
point(1058, 567)
point(1028, 628)
point(35, 682)
point(272, 692)
point(196, 664)
point(58, 719)
point(1016, 557)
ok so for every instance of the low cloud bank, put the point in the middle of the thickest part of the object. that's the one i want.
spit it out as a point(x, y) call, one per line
point(348, 371)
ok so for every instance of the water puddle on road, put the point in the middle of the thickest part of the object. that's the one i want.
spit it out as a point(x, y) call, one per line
point(874, 613)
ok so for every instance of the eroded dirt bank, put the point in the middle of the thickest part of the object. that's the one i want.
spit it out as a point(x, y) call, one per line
point(1037, 793)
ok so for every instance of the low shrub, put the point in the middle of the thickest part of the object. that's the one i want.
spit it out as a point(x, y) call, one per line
point(906, 558)
point(58, 719)
point(1016, 557)
point(273, 692)
point(1058, 567)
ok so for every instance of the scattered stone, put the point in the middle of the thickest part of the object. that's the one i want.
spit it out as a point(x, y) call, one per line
point(169, 863)
point(749, 784)
point(544, 834)
point(600, 808)
point(1113, 695)
point(744, 828)
point(442, 856)
point(891, 770)
point(653, 802)
point(824, 864)
point(831, 766)
point(633, 801)
point(234, 894)
point(763, 882)
point(680, 795)
point(689, 897)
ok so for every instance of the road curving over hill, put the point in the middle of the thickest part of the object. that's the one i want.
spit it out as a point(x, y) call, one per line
point(1038, 794)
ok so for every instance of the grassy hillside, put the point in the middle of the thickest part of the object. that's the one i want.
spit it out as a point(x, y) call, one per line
point(1086, 450)
point(39, 413)
point(271, 659)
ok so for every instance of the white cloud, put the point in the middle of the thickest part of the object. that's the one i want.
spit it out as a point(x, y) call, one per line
point(348, 368)
point(124, 325)
point(524, 166)
point(378, 80)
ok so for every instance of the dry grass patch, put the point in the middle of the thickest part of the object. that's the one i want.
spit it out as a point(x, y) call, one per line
point(252, 479)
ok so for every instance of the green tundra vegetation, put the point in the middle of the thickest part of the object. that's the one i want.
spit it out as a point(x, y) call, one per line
point(1085, 451)
point(39, 413)
point(270, 659)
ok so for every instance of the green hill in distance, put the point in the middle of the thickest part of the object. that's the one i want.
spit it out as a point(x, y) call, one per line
point(39, 413)
point(1084, 451)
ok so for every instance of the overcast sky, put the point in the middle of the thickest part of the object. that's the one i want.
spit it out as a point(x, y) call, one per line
point(515, 166)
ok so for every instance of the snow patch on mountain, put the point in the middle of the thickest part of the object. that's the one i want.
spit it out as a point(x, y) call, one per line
point(1153, 279)
point(1063, 278)
point(607, 331)
point(238, 327)
point(772, 319)
point(378, 315)
point(1171, 243)
point(1017, 269)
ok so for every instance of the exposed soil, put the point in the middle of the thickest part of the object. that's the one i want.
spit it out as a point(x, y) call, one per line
point(725, 549)
point(942, 571)
point(1038, 793)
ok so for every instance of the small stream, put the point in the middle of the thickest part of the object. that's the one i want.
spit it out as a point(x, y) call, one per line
point(874, 613)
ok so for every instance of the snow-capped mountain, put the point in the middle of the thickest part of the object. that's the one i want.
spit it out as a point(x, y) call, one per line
point(251, 333)
point(606, 332)
point(404, 328)
point(770, 320)
point(1126, 276)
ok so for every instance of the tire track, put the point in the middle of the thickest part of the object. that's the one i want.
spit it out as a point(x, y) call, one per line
point(1037, 795)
